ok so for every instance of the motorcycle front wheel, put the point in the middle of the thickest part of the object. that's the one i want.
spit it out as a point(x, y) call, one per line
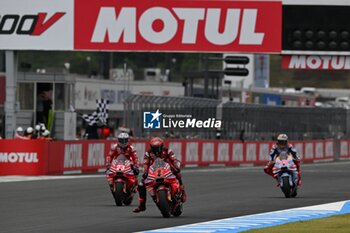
point(119, 194)
point(286, 186)
point(163, 204)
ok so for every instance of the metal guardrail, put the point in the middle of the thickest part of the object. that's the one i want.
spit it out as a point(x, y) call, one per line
point(262, 122)
point(240, 121)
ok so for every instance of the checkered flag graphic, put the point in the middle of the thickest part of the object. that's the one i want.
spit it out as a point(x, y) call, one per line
point(91, 119)
point(102, 110)
point(100, 115)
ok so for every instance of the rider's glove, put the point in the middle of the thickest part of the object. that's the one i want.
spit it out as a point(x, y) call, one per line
point(144, 175)
point(108, 166)
point(136, 171)
point(175, 170)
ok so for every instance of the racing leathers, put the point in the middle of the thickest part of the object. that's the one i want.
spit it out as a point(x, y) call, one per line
point(275, 151)
point(168, 156)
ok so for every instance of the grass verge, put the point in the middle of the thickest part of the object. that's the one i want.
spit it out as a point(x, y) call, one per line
point(333, 224)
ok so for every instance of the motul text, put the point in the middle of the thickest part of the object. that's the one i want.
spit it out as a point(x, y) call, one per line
point(108, 23)
point(19, 157)
point(316, 62)
point(33, 25)
point(178, 25)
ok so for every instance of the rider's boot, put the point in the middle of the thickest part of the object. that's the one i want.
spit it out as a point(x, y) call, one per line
point(183, 196)
point(182, 187)
point(278, 183)
point(111, 187)
point(297, 163)
point(142, 199)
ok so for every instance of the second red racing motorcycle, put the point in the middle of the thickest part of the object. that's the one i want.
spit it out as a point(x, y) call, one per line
point(164, 188)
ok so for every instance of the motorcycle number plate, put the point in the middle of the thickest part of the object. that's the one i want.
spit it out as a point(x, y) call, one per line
point(120, 167)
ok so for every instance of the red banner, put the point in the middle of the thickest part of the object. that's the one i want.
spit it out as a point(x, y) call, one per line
point(36, 157)
point(212, 26)
point(345, 149)
point(77, 156)
point(314, 62)
point(23, 157)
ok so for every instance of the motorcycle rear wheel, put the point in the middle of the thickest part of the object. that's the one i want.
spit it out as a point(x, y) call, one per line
point(163, 204)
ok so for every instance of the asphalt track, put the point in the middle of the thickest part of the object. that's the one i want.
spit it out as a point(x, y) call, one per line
point(86, 205)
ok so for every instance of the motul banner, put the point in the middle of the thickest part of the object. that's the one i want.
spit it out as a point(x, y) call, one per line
point(23, 157)
point(249, 26)
point(133, 25)
point(314, 62)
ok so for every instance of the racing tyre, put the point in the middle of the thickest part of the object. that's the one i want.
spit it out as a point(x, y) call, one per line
point(286, 187)
point(163, 203)
point(119, 194)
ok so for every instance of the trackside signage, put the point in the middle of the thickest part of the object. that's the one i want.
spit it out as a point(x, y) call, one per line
point(314, 62)
point(96, 156)
point(178, 25)
point(134, 25)
point(23, 157)
point(73, 156)
point(20, 157)
point(36, 24)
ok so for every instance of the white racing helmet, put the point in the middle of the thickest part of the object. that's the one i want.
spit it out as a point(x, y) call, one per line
point(123, 139)
point(282, 139)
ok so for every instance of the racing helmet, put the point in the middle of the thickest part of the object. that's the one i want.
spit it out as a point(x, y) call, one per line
point(157, 146)
point(282, 140)
point(123, 140)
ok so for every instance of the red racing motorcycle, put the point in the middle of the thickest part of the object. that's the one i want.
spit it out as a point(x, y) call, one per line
point(164, 188)
point(124, 180)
